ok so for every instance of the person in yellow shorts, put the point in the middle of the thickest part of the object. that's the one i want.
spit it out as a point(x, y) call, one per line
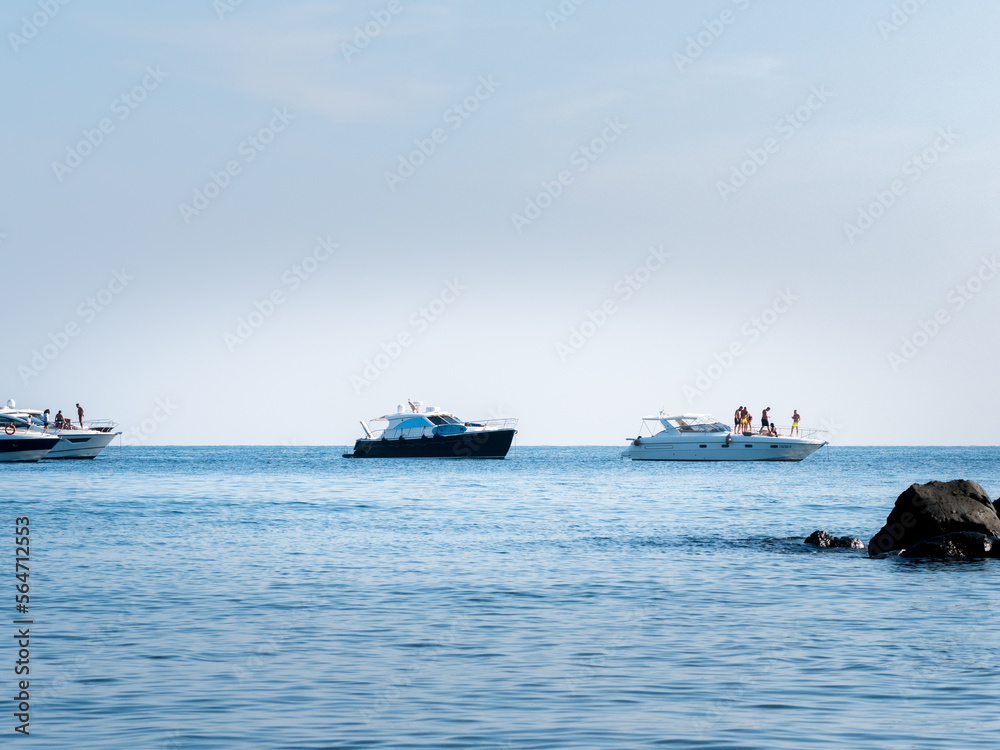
point(795, 423)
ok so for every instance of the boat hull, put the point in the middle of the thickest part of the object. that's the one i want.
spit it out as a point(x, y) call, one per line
point(740, 448)
point(23, 450)
point(483, 444)
point(72, 444)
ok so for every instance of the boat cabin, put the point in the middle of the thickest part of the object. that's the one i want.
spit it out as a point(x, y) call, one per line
point(417, 421)
point(678, 424)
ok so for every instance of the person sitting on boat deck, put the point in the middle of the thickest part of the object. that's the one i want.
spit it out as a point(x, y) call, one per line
point(59, 420)
point(774, 430)
point(795, 423)
point(765, 423)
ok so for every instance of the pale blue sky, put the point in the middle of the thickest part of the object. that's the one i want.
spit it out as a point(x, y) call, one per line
point(865, 98)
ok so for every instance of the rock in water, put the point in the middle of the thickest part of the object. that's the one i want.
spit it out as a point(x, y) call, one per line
point(959, 545)
point(925, 511)
point(825, 539)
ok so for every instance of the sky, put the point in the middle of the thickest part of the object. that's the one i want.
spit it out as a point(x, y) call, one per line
point(259, 223)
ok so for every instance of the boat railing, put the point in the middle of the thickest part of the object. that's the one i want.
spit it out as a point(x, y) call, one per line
point(100, 425)
point(493, 424)
point(813, 433)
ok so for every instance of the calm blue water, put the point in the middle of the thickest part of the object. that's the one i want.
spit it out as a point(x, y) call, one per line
point(563, 598)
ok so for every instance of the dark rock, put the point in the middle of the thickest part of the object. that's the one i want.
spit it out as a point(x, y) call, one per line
point(959, 545)
point(825, 539)
point(925, 511)
point(820, 538)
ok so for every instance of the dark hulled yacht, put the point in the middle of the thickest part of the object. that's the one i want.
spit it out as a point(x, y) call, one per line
point(418, 432)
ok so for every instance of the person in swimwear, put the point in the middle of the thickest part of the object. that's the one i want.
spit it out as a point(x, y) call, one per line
point(795, 423)
point(765, 423)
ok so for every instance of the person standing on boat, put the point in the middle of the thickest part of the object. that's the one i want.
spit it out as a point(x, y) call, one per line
point(765, 423)
point(737, 419)
point(79, 412)
point(795, 423)
point(749, 427)
point(45, 420)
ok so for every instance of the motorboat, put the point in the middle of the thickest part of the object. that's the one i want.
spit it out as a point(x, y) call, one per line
point(20, 443)
point(416, 431)
point(73, 442)
point(699, 437)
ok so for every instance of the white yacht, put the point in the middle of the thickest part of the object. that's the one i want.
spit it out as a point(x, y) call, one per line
point(699, 437)
point(73, 442)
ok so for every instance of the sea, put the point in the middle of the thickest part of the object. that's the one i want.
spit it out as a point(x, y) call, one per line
point(285, 597)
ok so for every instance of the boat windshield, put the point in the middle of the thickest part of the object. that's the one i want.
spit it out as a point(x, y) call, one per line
point(444, 420)
point(685, 426)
